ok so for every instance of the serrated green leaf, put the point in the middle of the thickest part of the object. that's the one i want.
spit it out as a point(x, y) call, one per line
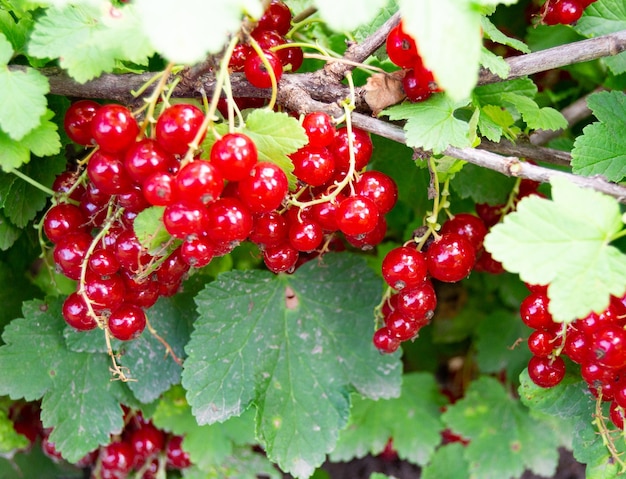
point(22, 100)
point(448, 462)
point(491, 32)
point(6, 50)
point(365, 30)
point(76, 387)
point(9, 233)
point(208, 445)
point(492, 94)
point(494, 63)
point(276, 135)
point(564, 243)
point(495, 122)
point(601, 149)
point(149, 228)
point(10, 439)
point(348, 14)
point(13, 154)
point(195, 28)
point(15, 32)
point(431, 124)
point(482, 185)
point(283, 332)
point(14, 288)
point(504, 439)
point(146, 357)
point(44, 139)
point(372, 423)
point(242, 464)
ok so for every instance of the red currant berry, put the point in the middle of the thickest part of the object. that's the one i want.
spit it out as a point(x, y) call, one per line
point(177, 458)
point(577, 346)
point(326, 213)
point(313, 166)
point(404, 267)
point(401, 48)
point(104, 262)
point(185, 218)
point(264, 189)
point(417, 83)
point(127, 322)
point(418, 301)
point(319, 129)
point(76, 313)
point(143, 294)
point(147, 441)
point(77, 121)
point(542, 343)
point(400, 326)
point(305, 235)
point(490, 214)
point(384, 341)
point(269, 229)
point(159, 189)
point(63, 219)
point(228, 221)
point(256, 72)
point(291, 58)
point(362, 145)
point(281, 258)
point(238, 58)
point(470, 226)
point(617, 415)
point(234, 155)
point(608, 345)
point(129, 252)
point(450, 258)
point(173, 269)
point(562, 12)
point(69, 253)
point(145, 158)
point(177, 127)
point(277, 17)
point(66, 182)
point(199, 181)
point(197, 252)
point(369, 240)
point(106, 171)
point(104, 292)
point(114, 128)
point(546, 372)
point(117, 456)
point(378, 187)
point(357, 215)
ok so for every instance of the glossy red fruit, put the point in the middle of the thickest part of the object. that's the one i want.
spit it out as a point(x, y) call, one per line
point(185, 218)
point(104, 292)
point(66, 182)
point(465, 224)
point(534, 312)
point(617, 415)
point(103, 261)
point(173, 269)
point(238, 60)
point(319, 129)
point(234, 155)
point(577, 346)
point(546, 372)
point(117, 456)
point(326, 213)
point(76, 313)
point(146, 441)
point(63, 219)
point(542, 343)
point(264, 189)
point(357, 215)
point(145, 158)
point(305, 235)
point(277, 17)
point(177, 126)
point(77, 121)
point(450, 258)
point(159, 189)
point(281, 258)
point(199, 181)
point(268, 229)
point(114, 128)
point(418, 83)
point(608, 345)
point(384, 341)
point(490, 214)
point(197, 252)
point(106, 171)
point(69, 253)
point(257, 73)
point(401, 48)
point(129, 252)
point(404, 267)
point(228, 221)
point(418, 301)
point(291, 58)
point(378, 187)
point(563, 12)
point(313, 166)
point(370, 240)
point(177, 458)
point(401, 326)
point(127, 322)
point(363, 148)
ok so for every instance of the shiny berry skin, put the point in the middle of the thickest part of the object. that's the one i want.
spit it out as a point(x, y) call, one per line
point(277, 17)
point(159, 189)
point(417, 84)
point(107, 172)
point(177, 458)
point(546, 372)
point(264, 189)
point(608, 345)
point(534, 312)
point(199, 181)
point(146, 442)
point(369, 240)
point(143, 294)
point(69, 253)
point(362, 144)
point(104, 292)
point(577, 346)
point(400, 326)
point(228, 221)
point(268, 229)
point(197, 252)
point(357, 215)
point(129, 252)
point(173, 269)
point(145, 158)
point(234, 155)
point(127, 322)
point(117, 456)
point(185, 218)
point(114, 128)
point(563, 12)
point(77, 121)
point(76, 313)
point(291, 58)
point(63, 219)
point(305, 235)
point(404, 267)
point(326, 213)
point(617, 415)
point(378, 187)
point(238, 58)
point(385, 341)
point(418, 301)
point(401, 48)
point(281, 258)
point(256, 72)
point(490, 214)
point(542, 343)
point(103, 262)
point(177, 126)
point(450, 258)
point(319, 129)
point(65, 182)
point(465, 224)
point(313, 166)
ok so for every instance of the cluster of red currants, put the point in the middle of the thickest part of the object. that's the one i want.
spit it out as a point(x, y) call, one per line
point(596, 342)
point(418, 81)
point(141, 447)
point(555, 12)
point(449, 257)
point(269, 34)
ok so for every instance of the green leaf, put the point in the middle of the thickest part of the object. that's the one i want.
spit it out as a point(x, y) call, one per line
point(9, 233)
point(564, 243)
point(448, 462)
point(22, 100)
point(89, 40)
point(15, 288)
point(6, 50)
point(431, 124)
point(207, 445)
point(495, 122)
point(35, 463)
point(150, 230)
point(372, 423)
point(195, 28)
point(482, 185)
point(504, 438)
point(43, 140)
point(601, 149)
point(492, 33)
point(365, 30)
point(146, 357)
point(242, 464)
point(10, 439)
point(15, 31)
point(76, 387)
point(348, 14)
point(494, 63)
point(276, 135)
point(13, 154)
point(275, 341)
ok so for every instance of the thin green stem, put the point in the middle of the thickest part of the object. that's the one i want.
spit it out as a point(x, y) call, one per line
point(270, 71)
point(34, 183)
